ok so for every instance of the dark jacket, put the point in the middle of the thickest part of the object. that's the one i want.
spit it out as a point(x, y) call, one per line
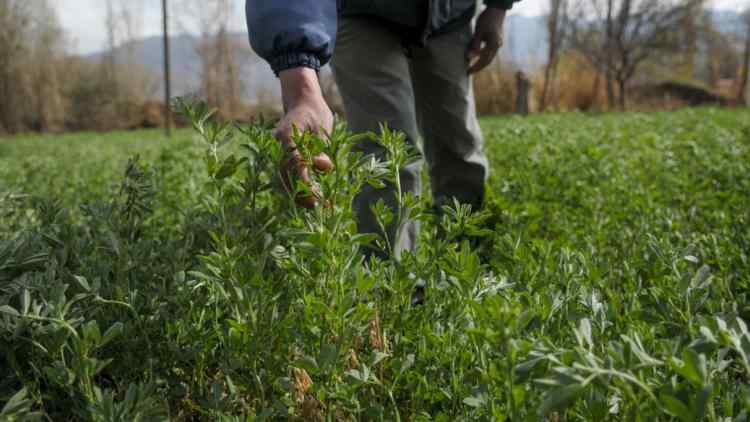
point(293, 33)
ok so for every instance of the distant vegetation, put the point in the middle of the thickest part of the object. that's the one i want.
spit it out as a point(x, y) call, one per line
point(688, 52)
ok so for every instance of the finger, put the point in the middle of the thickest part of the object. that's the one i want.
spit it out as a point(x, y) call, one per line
point(475, 47)
point(485, 58)
point(283, 134)
point(306, 201)
point(293, 167)
point(310, 193)
point(321, 162)
point(310, 200)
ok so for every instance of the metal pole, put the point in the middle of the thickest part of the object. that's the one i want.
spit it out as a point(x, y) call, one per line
point(167, 73)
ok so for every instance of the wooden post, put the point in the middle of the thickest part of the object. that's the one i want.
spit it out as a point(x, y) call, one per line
point(167, 73)
point(522, 94)
point(745, 71)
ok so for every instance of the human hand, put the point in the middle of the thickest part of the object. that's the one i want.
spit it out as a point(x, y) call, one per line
point(488, 38)
point(304, 110)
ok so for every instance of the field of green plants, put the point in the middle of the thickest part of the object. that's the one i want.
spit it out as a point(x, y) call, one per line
point(607, 278)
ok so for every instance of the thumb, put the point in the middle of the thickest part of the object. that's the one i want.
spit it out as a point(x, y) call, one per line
point(322, 162)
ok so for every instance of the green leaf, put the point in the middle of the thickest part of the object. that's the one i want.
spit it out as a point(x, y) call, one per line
point(8, 310)
point(692, 367)
point(210, 164)
point(16, 403)
point(406, 364)
point(700, 278)
point(584, 333)
point(329, 354)
point(362, 375)
point(524, 369)
point(475, 401)
point(699, 402)
point(82, 282)
point(675, 407)
point(113, 331)
point(307, 363)
point(708, 334)
point(379, 357)
point(560, 398)
point(91, 333)
point(25, 301)
point(98, 365)
point(229, 167)
point(364, 238)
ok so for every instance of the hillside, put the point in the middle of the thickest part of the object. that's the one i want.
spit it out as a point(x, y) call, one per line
point(525, 48)
point(186, 64)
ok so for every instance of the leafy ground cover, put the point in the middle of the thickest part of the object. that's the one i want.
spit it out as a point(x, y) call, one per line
point(607, 279)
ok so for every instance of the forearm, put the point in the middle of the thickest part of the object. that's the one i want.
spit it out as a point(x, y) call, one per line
point(299, 84)
point(500, 4)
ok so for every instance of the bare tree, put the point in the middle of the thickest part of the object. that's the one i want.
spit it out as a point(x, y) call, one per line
point(32, 53)
point(124, 23)
point(109, 60)
point(47, 53)
point(167, 68)
point(745, 72)
point(618, 36)
point(125, 80)
point(15, 17)
point(722, 58)
point(710, 37)
point(690, 30)
point(555, 31)
point(221, 85)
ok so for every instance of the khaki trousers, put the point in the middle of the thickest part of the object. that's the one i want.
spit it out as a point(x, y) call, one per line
point(427, 93)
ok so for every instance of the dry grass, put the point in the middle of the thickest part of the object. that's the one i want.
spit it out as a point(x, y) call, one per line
point(495, 89)
point(578, 86)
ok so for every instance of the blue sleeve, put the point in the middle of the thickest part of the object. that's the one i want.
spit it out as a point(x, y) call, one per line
point(501, 4)
point(292, 33)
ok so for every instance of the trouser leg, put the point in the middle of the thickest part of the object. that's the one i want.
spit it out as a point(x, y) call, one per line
point(372, 74)
point(452, 139)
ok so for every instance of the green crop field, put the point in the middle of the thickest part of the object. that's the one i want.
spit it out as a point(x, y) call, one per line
point(607, 278)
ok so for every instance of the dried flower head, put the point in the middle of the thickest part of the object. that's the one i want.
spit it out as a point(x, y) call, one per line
point(351, 359)
point(302, 384)
point(377, 340)
point(312, 409)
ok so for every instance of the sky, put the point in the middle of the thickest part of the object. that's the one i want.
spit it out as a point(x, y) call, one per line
point(83, 20)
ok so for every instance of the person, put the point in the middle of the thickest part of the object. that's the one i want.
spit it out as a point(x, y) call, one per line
point(407, 64)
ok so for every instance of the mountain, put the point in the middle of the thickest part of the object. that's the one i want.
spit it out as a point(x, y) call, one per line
point(186, 64)
point(525, 43)
point(525, 48)
point(728, 22)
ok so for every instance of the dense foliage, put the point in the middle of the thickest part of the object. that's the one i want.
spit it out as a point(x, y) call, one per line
point(606, 279)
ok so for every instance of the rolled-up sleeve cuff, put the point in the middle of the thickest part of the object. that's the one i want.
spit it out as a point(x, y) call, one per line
point(500, 4)
point(290, 60)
